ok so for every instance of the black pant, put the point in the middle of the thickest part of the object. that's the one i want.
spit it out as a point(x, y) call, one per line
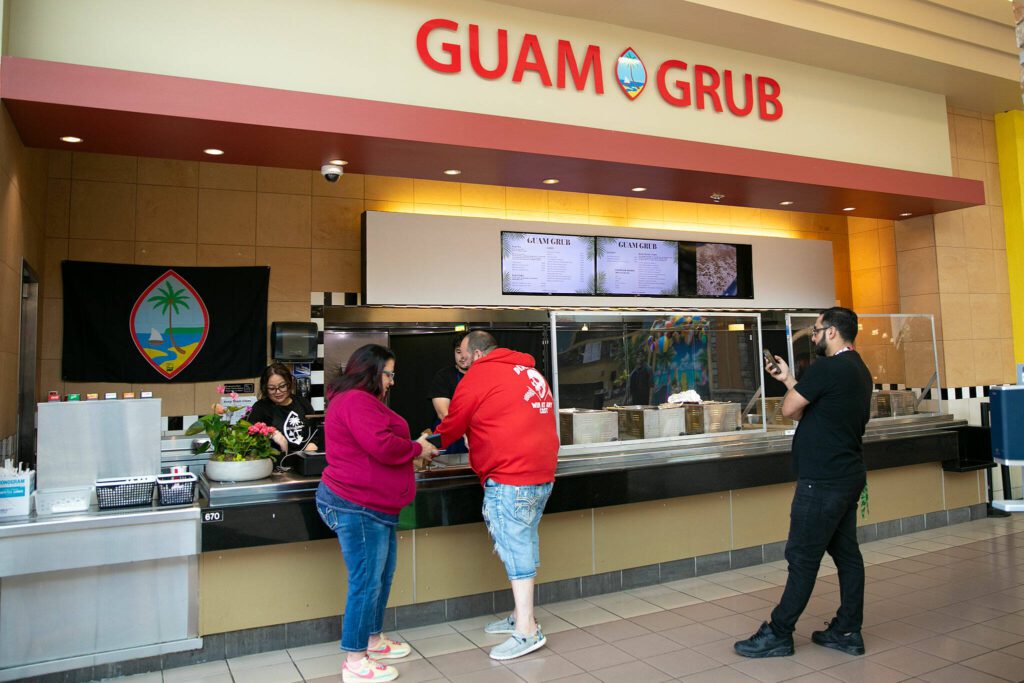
point(823, 518)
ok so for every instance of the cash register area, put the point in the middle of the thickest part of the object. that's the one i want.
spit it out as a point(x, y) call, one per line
point(946, 604)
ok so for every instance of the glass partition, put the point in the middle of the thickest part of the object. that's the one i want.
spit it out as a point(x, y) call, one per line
point(899, 350)
point(655, 376)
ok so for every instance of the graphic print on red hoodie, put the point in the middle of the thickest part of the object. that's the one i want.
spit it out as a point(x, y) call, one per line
point(505, 408)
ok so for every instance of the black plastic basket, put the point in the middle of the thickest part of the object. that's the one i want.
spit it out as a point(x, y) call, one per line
point(176, 489)
point(124, 492)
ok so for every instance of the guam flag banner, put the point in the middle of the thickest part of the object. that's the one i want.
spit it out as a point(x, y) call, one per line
point(126, 323)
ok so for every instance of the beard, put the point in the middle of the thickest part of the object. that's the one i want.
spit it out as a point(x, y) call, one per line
point(821, 346)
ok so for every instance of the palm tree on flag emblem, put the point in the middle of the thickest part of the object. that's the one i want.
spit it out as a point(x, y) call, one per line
point(167, 301)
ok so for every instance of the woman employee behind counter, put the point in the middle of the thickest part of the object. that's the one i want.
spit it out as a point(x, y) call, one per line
point(280, 407)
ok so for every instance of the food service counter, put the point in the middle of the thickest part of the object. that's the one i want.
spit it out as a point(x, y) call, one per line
point(281, 509)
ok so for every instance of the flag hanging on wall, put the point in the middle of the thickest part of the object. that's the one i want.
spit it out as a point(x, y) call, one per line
point(125, 323)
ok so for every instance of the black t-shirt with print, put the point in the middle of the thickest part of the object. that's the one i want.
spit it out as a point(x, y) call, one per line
point(827, 444)
point(290, 420)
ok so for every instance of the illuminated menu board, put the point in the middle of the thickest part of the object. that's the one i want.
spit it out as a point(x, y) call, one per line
point(635, 267)
point(539, 263)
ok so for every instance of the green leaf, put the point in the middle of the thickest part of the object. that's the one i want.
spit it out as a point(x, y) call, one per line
point(195, 428)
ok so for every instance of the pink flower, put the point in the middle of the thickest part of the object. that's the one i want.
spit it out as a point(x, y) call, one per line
point(234, 394)
point(220, 388)
point(253, 429)
point(218, 409)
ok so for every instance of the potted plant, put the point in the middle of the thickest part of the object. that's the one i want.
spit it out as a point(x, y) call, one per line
point(242, 451)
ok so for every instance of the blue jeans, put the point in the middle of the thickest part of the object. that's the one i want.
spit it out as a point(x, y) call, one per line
point(512, 515)
point(370, 550)
point(823, 519)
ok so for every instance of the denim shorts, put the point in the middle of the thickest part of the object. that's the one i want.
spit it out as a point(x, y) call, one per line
point(512, 514)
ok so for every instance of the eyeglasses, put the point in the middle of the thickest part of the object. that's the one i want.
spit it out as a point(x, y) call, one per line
point(390, 374)
point(277, 387)
point(819, 330)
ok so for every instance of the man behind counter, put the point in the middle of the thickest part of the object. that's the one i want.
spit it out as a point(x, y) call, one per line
point(442, 388)
point(280, 407)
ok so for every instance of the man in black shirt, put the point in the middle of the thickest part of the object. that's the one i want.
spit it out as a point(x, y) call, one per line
point(442, 388)
point(640, 382)
point(832, 402)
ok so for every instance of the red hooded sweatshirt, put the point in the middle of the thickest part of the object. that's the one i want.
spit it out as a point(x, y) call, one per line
point(504, 407)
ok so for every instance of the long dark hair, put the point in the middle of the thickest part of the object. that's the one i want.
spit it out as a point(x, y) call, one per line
point(363, 371)
point(277, 369)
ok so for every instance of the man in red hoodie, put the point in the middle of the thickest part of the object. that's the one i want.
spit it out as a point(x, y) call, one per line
point(504, 407)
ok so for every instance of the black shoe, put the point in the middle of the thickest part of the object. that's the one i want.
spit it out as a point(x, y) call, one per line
point(850, 642)
point(765, 643)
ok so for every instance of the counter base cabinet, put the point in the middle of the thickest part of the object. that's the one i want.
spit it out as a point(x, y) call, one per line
point(91, 590)
point(449, 573)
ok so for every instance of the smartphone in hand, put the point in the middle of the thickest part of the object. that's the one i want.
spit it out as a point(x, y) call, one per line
point(769, 358)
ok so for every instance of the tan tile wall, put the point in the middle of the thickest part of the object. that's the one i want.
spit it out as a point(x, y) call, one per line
point(156, 211)
point(953, 265)
point(22, 211)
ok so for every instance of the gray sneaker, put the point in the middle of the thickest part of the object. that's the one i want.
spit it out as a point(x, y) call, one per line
point(506, 625)
point(519, 645)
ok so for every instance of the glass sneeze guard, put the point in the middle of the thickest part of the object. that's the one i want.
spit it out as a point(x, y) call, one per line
point(657, 377)
point(899, 349)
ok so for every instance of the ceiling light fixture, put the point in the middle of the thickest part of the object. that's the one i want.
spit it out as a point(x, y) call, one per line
point(452, 171)
point(550, 181)
point(906, 214)
point(639, 189)
point(849, 208)
point(338, 162)
point(717, 197)
point(71, 138)
point(213, 151)
point(786, 203)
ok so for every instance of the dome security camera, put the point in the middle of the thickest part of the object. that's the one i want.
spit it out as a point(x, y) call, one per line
point(331, 172)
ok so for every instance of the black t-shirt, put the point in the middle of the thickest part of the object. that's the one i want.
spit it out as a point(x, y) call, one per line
point(827, 444)
point(443, 386)
point(444, 382)
point(290, 420)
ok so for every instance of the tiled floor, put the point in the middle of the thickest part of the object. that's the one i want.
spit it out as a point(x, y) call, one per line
point(941, 605)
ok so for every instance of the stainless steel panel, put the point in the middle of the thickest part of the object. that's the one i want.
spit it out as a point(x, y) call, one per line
point(64, 614)
point(86, 540)
point(82, 441)
point(339, 345)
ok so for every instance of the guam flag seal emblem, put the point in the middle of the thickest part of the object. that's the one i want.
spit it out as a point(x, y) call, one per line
point(169, 324)
point(631, 73)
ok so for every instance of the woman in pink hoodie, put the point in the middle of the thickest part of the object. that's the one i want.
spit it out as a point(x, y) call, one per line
point(368, 480)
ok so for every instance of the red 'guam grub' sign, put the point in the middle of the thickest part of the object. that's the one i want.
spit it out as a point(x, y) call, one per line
point(680, 85)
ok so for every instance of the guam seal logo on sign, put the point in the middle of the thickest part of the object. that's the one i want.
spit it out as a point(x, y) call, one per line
point(169, 324)
point(631, 73)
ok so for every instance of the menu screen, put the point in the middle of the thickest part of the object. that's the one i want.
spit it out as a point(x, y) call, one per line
point(537, 263)
point(715, 270)
point(635, 267)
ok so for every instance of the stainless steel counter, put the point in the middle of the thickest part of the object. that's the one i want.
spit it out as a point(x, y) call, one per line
point(586, 459)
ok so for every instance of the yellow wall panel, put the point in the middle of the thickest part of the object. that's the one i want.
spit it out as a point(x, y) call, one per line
point(760, 515)
point(277, 584)
point(660, 531)
point(456, 560)
point(904, 491)
point(963, 488)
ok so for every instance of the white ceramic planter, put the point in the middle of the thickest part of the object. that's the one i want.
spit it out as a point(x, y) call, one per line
point(241, 470)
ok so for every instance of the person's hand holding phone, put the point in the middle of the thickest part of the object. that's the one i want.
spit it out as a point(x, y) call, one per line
point(428, 450)
point(775, 366)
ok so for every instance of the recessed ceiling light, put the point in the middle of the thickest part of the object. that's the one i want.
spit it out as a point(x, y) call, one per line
point(786, 203)
point(338, 162)
point(452, 171)
point(717, 197)
point(639, 189)
point(71, 138)
point(905, 214)
point(550, 181)
point(849, 208)
point(213, 151)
